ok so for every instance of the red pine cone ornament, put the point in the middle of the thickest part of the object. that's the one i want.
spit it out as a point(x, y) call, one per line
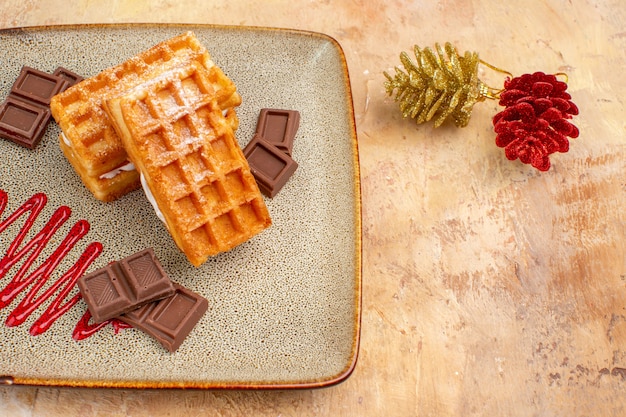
point(534, 123)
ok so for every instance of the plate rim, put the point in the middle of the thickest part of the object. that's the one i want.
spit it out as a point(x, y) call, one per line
point(348, 369)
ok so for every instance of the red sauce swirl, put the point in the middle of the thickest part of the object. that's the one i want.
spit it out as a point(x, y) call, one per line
point(34, 284)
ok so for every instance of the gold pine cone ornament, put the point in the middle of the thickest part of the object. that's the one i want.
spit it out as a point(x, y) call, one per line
point(440, 84)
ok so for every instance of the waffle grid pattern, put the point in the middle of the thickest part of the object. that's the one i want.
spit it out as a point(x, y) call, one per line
point(199, 174)
point(80, 113)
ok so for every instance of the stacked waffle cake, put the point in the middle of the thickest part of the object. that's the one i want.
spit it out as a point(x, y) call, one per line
point(89, 140)
point(169, 114)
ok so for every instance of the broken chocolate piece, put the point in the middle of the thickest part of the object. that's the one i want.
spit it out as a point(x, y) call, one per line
point(22, 122)
point(69, 76)
point(26, 112)
point(123, 286)
point(171, 319)
point(271, 167)
point(279, 127)
point(37, 86)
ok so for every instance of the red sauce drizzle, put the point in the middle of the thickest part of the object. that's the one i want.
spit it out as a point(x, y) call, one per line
point(84, 329)
point(38, 278)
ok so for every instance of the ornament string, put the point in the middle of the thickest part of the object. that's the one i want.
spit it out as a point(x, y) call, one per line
point(488, 92)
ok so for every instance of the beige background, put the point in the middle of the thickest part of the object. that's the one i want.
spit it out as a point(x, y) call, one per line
point(489, 288)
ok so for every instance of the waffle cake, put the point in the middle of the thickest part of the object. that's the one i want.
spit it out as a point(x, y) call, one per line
point(90, 142)
point(107, 186)
point(177, 136)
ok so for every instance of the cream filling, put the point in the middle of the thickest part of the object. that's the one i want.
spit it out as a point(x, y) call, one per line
point(128, 166)
point(66, 140)
point(150, 197)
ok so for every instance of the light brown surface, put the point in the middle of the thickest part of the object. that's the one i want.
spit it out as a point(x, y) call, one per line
point(489, 288)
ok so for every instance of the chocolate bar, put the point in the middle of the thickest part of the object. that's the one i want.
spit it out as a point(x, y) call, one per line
point(25, 113)
point(271, 167)
point(125, 285)
point(22, 122)
point(171, 319)
point(279, 127)
point(69, 76)
point(37, 86)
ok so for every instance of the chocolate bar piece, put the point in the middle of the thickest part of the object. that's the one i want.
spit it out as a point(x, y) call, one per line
point(171, 319)
point(271, 167)
point(279, 127)
point(69, 76)
point(37, 86)
point(123, 286)
point(26, 112)
point(22, 122)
